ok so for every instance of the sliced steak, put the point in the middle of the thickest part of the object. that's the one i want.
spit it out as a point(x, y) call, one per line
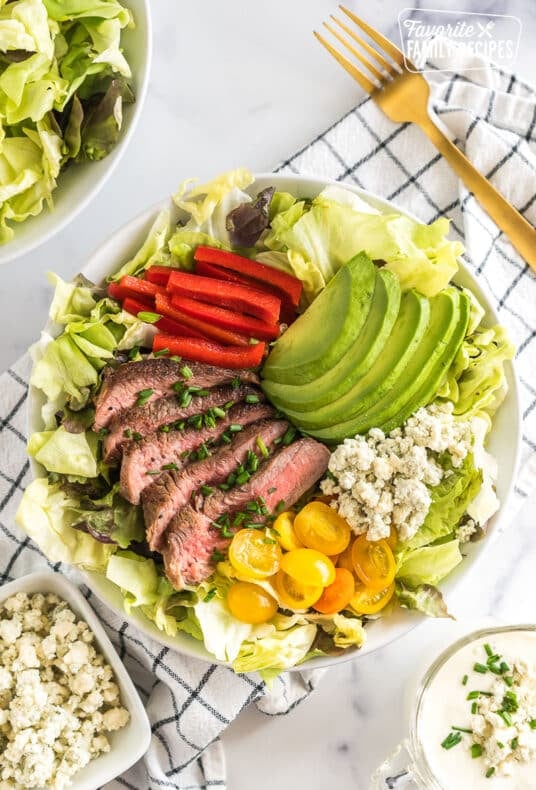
point(143, 420)
point(192, 535)
point(120, 387)
point(142, 459)
point(172, 490)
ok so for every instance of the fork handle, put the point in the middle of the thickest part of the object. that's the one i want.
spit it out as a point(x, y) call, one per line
point(520, 232)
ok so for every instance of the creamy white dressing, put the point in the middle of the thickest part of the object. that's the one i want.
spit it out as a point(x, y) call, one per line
point(444, 705)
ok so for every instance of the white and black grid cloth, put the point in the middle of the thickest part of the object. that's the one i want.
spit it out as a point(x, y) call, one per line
point(492, 115)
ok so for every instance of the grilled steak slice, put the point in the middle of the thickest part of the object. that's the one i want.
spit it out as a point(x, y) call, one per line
point(159, 449)
point(143, 420)
point(120, 388)
point(192, 535)
point(173, 490)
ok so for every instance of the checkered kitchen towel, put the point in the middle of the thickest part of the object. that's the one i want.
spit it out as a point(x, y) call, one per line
point(493, 116)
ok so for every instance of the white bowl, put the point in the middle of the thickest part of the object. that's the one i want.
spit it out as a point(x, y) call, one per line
point(81, 183)
point(504, 440)
point(127, 745)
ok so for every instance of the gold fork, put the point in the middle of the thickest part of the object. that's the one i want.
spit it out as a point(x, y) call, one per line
point(402, 93)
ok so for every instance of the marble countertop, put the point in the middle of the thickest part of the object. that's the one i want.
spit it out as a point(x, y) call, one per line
point(233, 84)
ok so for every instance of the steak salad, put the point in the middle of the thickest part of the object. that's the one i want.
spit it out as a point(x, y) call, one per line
point(268, 428)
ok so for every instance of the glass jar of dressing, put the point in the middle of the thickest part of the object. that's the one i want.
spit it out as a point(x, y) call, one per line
point(486, 681)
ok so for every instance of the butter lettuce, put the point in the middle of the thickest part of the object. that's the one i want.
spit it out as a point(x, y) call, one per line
point(47, 515)
point(429, 564)
point(476, 381)
point(335, 228)
point(152, 251)
point(62, 91)
point(65, 453)
point(425, 598)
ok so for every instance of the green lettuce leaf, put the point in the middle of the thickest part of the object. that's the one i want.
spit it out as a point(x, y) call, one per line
point(275, 652)
point(476, 381)
point(428, 564)
point(137, 577)
point(425, 598)
point(450, 500)
point(183, 243)
point(47, 515)
point(152, 249)
point(331, 232)
point(344, 631)
point(65, 453)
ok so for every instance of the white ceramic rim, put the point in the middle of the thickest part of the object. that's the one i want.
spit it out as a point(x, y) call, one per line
point(138, 730)
point(401, 621)
point(115, 157)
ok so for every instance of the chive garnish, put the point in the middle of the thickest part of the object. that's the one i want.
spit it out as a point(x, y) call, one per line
point(488, 649)
point(170, 467)
point(137, 436)
point(185, 399)
point(235, 427)
point(514, 743)
point(505, 716)
point(504, 667)
point(490, 772)
point(464, 680)
point(480, 668)
point(210, 595)
point(262, 447)
point(462, 729)
point(152, 472)
point(532, 724)
point(133, 353)
point(452, 739)
point(127, 433)
point(476, 750)
point(143, 396)
point(217, 556)
point(477, 694)
point(186, 372)
point(207, 490)
point(161, 353)
point(474, 707)
point(252, 398)
point(164, 428)
point(176, 358)
point(508, 680)
point(228, 405)
point(148, 317)
point(218, 412)
point(235, 382)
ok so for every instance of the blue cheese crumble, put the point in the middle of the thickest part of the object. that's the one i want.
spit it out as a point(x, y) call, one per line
point(382, 481)
point(58, 697)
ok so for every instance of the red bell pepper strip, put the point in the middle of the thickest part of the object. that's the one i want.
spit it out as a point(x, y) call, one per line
point(290, 286)
point(226, 318)
point(159, 275)
point(135, 306)
point(133, 286)
point(224, 336)
point(116, 291)
point(209, 352)
point(261, 305)
point(171, 327)
point(288, 311)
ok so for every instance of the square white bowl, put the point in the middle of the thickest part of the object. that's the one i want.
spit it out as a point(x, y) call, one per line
point(127, 745)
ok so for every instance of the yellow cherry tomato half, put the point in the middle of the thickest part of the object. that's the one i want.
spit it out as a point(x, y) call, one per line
point(286, 534)
point(374, 562)
point(250, 603)
point(254, 555)
point(338, 595)
point(293, 594)
point(320, 527)
point(345, 559)
point(368, 601)
point(309, 566)
point(392, 540)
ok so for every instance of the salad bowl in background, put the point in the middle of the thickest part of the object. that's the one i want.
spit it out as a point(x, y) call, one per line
point(504, 438)
point(79, 184)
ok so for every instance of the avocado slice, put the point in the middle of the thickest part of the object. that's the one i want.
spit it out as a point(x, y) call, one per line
point(407, 333)
point(448, 321)
point(356, 362)
point(318, 339)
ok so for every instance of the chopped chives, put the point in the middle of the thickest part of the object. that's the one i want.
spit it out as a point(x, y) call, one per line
point(504, 667)
point(152, 472)
point(462, 729)
point(505, 716)
point(482, 668)
point(164, 428)
point(134, 351)
point(210, 595)
point(185, 399)
point(514, 743)
point(252, 398)
point(127, 433)
point(186, 372)
point(532, 724)
point(474, 707)
point(228, 405)
point(508, 680)
point(242, 478)
point(490, 772)
point(161, 353)
point(176, 358)
point(452, 739)
point(488, 649)
point(137, 436)
point(206, 490)
point(262, 447)
point(500, 745)
point(476, 750)
point(465, 679)
point(143, 396)
point(170, 467)
point(235, 427)
point(218, 412)
point(493, 659)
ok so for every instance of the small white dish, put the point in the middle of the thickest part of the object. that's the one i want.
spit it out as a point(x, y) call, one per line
point(79, 184)
point(504, 440)
point(130, 743)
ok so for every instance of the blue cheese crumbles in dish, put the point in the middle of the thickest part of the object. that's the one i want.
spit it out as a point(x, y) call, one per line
point(58, 696)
